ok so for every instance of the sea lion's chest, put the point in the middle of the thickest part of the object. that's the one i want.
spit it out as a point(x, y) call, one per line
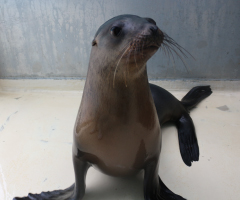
point(119, 149)
point(119, 141)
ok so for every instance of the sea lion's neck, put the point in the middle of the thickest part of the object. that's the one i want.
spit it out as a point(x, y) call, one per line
point(120, 104)
point(119, 86)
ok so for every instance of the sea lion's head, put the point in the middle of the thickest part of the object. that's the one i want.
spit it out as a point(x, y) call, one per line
point(124, 43)
point(129, 37)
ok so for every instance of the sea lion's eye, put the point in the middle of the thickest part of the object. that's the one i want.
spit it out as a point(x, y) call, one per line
point(94, 42)
point(115, 31)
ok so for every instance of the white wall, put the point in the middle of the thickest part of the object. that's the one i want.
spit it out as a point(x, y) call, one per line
point(52, 38)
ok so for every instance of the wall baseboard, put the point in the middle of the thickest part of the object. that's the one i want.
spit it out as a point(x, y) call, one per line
point(38, 85)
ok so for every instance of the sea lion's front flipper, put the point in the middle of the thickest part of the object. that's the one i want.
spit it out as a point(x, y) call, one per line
point(187, 139)
point(80, 168)
point(74, 192)
point(154, 188)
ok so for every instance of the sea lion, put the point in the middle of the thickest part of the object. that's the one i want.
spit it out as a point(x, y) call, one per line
point(117, 129)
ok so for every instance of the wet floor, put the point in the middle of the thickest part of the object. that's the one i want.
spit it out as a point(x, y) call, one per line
point(36, 136)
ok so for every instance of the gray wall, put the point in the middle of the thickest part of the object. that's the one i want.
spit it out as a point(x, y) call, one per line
point(52, 38)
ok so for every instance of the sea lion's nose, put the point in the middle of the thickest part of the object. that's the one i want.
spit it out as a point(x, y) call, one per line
point(154, 29)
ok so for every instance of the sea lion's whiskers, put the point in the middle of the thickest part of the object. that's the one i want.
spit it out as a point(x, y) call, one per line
point(173, 43)
point(142, 48)
point(126, 72)
point(167, 50)
point(169, 40)
point(127, 48)
point(125, 77)
point(124, 48)
point(167, 46)
point(171, 56)
point(170, 45)
point(182, 59)
point(135, 59)
point(164, 51)
point(131, 51)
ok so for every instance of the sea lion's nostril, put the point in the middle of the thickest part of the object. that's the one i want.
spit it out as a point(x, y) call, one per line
point(154, 29)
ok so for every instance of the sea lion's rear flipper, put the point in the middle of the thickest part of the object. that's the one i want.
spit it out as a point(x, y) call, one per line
point(187, 139)
point(57, 195)
point(167, 194)
point(195, 95)
point(74, 192)
point(154, 188)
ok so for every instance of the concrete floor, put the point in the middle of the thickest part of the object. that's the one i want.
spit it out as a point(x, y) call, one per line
point(36, 124)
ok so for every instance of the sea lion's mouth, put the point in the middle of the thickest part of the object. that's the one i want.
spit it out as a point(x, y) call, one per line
point(145, 43)
point(141, 47)
point(153, 46)
point(145, 48)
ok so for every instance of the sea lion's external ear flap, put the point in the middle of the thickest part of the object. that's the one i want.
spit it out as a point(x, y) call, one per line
point(150, 20)
point(94, 42)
